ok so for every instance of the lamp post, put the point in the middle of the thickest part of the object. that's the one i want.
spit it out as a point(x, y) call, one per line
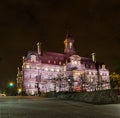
point(11, 88)
point(70, 83)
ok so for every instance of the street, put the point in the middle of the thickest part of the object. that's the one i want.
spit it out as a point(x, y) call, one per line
point(39, 107)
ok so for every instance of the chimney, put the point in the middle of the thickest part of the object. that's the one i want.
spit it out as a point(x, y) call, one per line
point(39, 48)
point(93, 57)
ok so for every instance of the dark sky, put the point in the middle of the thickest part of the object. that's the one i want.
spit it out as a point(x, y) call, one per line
point(94, 24)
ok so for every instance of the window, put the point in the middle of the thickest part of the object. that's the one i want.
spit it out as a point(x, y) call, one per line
point(70, 45)
point(46, 69)
point(59, 62)
point(58, 70)
point(90, 73)
point(37, 67)
point(54, 62)
point(52, 69)
point(27, 66)
point(75, 62)
point(33, 58)
point(48, 61)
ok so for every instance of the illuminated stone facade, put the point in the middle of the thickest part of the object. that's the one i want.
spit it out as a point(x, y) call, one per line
point(51, 71)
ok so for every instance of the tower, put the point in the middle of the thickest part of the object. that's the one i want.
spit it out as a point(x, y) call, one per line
point(69, 48)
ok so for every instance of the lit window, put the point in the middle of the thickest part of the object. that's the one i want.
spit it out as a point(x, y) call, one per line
point(59, 62)
point(58, 70)
point(91, 80)
point(46, 69)
point(54, 62)
point(27, 66)
point(52, 69)
point(70, 45)
point(32, 92)
point(48, 61)
point(90, 73)
point(72, 61)
point(37, 67)
point(66, 45)
point(28, 85)
point(75, 62)
point(33, 58)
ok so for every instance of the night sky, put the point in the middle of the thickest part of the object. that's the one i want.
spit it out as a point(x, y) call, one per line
point(94, 25)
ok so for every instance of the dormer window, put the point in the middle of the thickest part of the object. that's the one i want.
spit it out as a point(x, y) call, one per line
point(59, 62)
point(75, 60)
point(54, 62)
point(33, 58)
point(48, 61)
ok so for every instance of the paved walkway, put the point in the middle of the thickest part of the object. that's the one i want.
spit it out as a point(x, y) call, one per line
point(38, 107)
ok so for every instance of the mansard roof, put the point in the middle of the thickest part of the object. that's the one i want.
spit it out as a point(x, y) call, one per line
point(53, 54)
point(53, 58)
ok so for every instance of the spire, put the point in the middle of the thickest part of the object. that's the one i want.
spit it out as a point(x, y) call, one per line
point(39, 48)
point(68, 35)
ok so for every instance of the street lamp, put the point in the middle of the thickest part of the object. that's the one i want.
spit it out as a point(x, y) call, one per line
point(11, 84)
point(19, 91)
point(11, 88)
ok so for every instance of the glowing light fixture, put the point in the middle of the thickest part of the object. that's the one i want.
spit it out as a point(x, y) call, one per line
point(19, 90)
point(11, 84)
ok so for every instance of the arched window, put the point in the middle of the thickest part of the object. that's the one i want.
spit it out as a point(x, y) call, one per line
point(33, 58)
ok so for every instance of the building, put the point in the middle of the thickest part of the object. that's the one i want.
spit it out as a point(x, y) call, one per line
point(51, 71)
